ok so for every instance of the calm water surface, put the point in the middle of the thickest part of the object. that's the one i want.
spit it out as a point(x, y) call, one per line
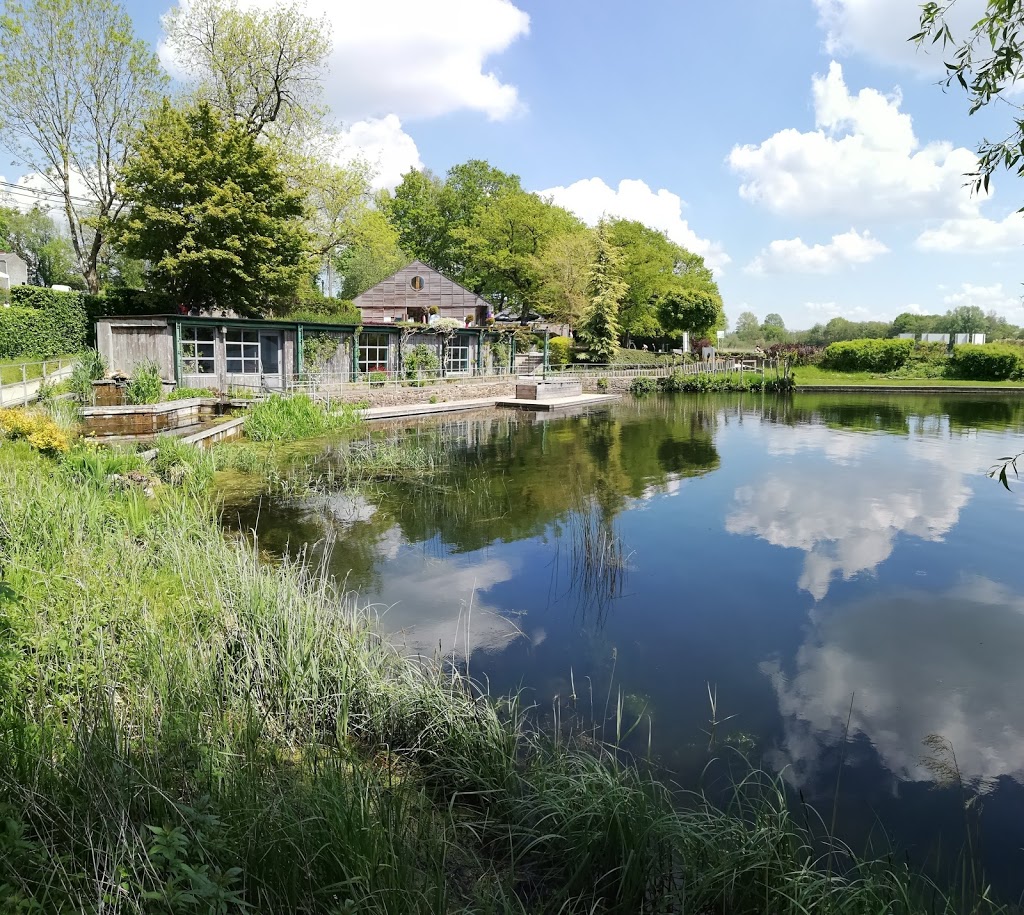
point(837, 570)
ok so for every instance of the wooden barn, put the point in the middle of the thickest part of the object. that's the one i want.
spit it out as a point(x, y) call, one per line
point(420, 294)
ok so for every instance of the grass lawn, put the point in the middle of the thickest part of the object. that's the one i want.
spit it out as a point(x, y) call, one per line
point(10, 369)
point(813, 374)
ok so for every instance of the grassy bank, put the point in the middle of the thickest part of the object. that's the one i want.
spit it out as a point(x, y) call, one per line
point(816, 375)
point(186, 729)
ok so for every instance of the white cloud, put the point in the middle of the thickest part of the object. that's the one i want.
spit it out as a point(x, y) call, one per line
point(863, 160)
point(960, 681)
point(914, 487)
point(879, 29)
point(974, 235)
point(384, 145)
point(796, 256)
point(988, 298)
point(591, 199)
point(398, 57)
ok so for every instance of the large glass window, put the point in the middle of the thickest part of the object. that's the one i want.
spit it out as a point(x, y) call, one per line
point(197, 345)
point(243, 352)
point(373, 353)
point(456, 360)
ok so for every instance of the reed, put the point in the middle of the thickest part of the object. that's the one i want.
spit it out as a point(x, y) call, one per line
point(186, 728)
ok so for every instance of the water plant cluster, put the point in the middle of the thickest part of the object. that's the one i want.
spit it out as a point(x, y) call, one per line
point(681, 383)
point(187, 728)
point(280, 418)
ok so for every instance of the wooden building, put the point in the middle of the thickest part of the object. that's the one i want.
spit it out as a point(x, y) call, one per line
point(416, 293)
point(239, 353)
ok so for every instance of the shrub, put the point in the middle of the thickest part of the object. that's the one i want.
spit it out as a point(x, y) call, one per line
point(186, 393)
point(377, 379)
point(796, 353)
point(602, 384)
point(867, 355)
point(320, 311)
point(559, 351)
point(35, 427)
point(145, 385)
point(643, 385)
point(129, 302)
point(987, 362)
point(420, 360)
point(42, 323)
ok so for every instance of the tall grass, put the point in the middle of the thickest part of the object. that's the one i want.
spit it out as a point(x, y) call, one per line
point(184, 728)
point(289, 418)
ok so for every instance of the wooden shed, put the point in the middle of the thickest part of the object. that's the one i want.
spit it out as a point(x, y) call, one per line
point(414, 292)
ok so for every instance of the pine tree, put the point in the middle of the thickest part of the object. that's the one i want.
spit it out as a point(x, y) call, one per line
point(600, 330)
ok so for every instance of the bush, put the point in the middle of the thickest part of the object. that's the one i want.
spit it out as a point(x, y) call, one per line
point(319, 311)
point(867, 355)
point(796, 353)
point(420, 360)
point(129, 302)
point(186, 393)
point(986, 362)
point(559, 351)
point(42, 323)
point(145, 385)
point(35, 427)
point(642, 386)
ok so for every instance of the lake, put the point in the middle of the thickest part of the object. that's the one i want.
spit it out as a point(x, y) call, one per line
point(827, 585)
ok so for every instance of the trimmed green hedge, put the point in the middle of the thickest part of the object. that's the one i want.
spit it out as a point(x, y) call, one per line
point(129, 302)
point(43, 323)
point(867, 355)
point(988, 362)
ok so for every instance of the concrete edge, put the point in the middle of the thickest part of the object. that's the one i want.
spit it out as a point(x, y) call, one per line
point(902, 389)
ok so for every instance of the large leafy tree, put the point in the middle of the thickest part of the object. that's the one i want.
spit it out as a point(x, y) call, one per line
point(36, 239)
point(262, 67)
point(563, 271)
point(985, 61)
point(692, 309)
point(213, 213)
point(748, 328)
point(657, 270)
point(75, 82)
point(373, 254)
point(601, 329)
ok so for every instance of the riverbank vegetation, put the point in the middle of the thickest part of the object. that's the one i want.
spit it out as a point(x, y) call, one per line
point(186, 728)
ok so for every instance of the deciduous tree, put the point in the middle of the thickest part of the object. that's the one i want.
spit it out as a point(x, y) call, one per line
point(262, 67)
point(213, 213)
point(75, 82)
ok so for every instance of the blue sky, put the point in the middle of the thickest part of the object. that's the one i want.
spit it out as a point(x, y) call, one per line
point(802, 146)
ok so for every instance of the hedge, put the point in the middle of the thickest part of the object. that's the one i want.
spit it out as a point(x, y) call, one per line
point(988, 362)
point(122, 301)
point(867, 355)
point(43, 323)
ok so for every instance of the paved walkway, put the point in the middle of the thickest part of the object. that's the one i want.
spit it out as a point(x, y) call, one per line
point(17, 393)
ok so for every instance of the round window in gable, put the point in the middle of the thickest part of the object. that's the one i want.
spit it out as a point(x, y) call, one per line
point(417, 283)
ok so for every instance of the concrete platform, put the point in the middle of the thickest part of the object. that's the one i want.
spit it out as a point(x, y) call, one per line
point(426, 409)
point(557, 403)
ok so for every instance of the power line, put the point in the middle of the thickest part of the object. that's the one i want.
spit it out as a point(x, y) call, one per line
point(33, 192)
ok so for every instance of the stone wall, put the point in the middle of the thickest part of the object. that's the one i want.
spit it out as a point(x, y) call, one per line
point(615, 385)
point(395, 395)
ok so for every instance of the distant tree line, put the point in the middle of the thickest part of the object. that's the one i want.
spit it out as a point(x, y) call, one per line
point(965, 319)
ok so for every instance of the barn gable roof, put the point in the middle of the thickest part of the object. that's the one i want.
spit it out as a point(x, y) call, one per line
point(400, 291)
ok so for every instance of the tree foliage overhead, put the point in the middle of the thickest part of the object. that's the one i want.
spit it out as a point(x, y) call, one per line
point(75, 82)
point(262, 67)
point(213, 213)
point(985, 62)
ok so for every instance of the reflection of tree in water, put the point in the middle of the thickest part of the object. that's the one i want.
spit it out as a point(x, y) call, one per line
point(895, 413)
